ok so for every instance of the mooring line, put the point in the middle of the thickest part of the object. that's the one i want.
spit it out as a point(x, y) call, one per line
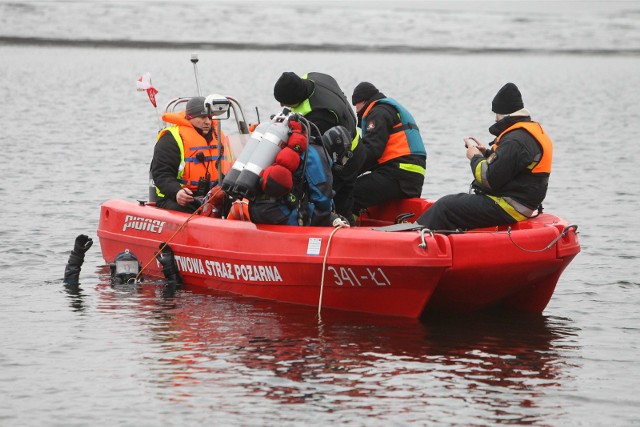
point(324, 265)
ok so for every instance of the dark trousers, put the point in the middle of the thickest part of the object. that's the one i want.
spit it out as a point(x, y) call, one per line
point(464, 211)
point(343, 198)
point(385, 184)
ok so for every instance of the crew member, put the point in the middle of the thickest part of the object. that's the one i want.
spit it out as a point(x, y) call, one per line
point(185, 158)
point(395, 153)
point(319, 98)
point(510, 178)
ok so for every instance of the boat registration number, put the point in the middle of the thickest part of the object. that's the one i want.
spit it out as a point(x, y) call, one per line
point(347, 276)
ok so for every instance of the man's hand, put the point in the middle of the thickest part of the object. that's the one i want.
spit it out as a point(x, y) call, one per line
point(184, 196)
point(474, 147)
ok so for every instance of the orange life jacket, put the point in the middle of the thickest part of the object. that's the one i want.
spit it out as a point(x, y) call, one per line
point(544, 164)
point(239, 211)
point(191, 143)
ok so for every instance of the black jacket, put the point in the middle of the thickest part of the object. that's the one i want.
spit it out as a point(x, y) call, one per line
point(507, 168)
point(329, 105)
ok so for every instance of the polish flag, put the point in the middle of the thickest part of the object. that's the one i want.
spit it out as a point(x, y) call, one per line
point(144, 83)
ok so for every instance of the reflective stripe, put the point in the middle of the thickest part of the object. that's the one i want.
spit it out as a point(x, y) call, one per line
point(206, 158)
point(477, 173)
point(175, 131)
point(412, 168)
point(195, 183)
point(480, 174)
point(522, 209)
point(355, 140)
point(303, 108)
point(203, 147)
point(515, 209)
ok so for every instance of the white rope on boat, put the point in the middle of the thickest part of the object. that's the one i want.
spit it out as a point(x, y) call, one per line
point(324, 266)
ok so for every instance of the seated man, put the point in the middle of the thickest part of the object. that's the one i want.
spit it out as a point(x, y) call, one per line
point(395, 153)
point(184, 164)
point(510, 179)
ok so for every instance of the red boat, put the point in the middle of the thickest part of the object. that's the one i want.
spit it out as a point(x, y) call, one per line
point(368, 268)
point(379, 266)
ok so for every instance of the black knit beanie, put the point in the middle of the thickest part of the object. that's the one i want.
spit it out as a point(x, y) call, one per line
point(508, 100)
point(363, 92)
point(290, 89)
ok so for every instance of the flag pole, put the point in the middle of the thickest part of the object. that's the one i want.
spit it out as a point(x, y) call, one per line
point(158, 118)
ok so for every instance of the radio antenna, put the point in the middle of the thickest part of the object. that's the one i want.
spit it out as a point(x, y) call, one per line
point(194, 61)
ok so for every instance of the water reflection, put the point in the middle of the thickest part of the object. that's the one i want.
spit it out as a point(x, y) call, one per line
point(496, 369)
point(76, 297)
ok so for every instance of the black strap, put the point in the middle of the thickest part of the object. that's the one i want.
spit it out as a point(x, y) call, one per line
point(408, 126)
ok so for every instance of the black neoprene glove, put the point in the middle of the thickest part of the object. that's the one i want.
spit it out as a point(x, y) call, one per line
point(76, 258)
point(169, 264)
point(82, 244)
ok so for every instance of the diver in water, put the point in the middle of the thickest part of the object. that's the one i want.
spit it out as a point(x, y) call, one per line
point(76, 259)
point(125, 267)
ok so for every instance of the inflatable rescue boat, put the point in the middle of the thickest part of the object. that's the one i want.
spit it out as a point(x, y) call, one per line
point(370, 268)
point(382, 266)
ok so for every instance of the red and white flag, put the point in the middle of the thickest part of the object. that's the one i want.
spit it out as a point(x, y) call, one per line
point(144, 83)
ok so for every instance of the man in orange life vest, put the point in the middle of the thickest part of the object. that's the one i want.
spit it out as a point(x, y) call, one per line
point(395, 152)
point(510, 178)
point(184, 164)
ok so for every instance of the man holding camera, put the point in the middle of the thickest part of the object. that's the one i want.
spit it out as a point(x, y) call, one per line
point(511, 176)
point(185, 158)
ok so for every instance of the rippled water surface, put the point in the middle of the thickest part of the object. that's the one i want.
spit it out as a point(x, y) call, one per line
point(76, 133)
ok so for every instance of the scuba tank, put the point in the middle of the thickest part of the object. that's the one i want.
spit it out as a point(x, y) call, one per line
point(273, 140)
point(230, 179)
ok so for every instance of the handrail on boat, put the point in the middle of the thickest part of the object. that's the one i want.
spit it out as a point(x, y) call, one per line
point(238, 113)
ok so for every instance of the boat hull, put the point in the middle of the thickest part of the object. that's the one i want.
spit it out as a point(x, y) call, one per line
point(356, 269)
point(363, 271)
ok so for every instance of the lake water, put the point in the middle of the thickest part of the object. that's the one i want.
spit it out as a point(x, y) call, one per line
point(100, 355)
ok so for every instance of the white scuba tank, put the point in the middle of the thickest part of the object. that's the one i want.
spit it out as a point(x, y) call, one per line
point(273, 140)
point(229, 181)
